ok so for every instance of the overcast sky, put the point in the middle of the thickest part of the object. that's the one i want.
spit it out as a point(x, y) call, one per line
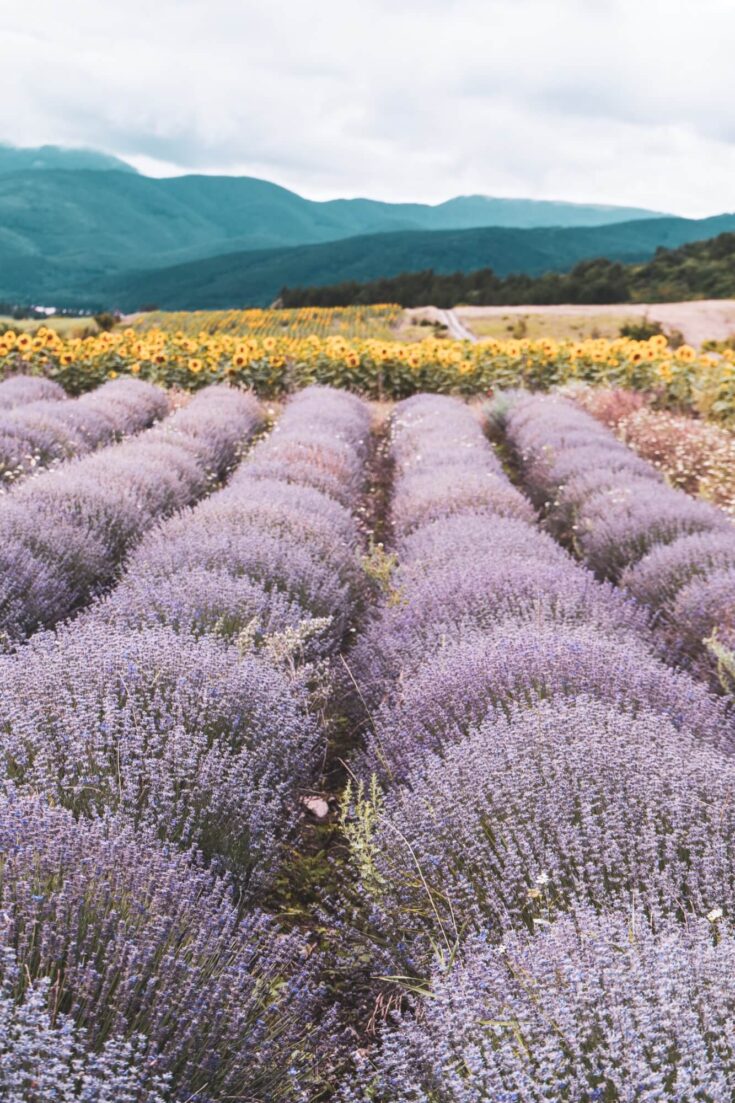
point(613, 101)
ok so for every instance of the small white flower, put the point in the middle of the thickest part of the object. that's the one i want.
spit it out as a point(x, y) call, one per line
point(715, 914)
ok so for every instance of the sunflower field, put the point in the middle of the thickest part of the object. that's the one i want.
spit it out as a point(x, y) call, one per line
point(350, 321)
point(254, 349)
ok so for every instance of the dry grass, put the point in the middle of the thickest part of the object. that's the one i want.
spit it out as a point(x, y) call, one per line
point(557, 327)
point(65, 327)
point(415, 325)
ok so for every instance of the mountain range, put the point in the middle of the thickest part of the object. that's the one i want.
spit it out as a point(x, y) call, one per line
point(82, 228)
point(256, 277)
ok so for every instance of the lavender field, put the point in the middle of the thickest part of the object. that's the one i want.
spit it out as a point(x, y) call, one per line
point(359, 752)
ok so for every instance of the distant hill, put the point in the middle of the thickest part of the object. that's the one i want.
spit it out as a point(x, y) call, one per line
point(65, 225)
point(699, 270)
point(257, 277)
point(19, 159)
point(469, 211)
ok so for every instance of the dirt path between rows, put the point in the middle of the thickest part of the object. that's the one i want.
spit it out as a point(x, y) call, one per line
point(456, 326)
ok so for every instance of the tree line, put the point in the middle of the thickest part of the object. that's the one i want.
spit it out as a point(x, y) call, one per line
point(702, 269)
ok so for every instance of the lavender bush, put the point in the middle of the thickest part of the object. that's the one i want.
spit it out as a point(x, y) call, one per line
point(481, 591)
point(149, 733)
point(481, 675)
point(44, 1057)
point(17, 390)
point(181, 736)
point(38, 434)
point(610, 1007)
point(67, 530)
point(276, 551)
point(142, 709)
point(613, 509)
point(323, 445)
point(142, 948)
point(561, 803)
point(657, 578)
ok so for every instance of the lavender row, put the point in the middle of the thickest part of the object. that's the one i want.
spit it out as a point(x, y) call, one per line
point(273, 553)
point(65, 532)
point(171, 747)
point(541, 774)
point(40, 434)
point(673, 553)
point(18, 390)
point(177, 702)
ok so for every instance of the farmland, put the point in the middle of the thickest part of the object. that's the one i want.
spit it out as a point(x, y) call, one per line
point(368, 716)
point(361, 349)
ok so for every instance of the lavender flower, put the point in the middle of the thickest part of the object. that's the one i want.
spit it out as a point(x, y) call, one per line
point(44, 1057)
point(562, 802)
point(464, 682)
point(67, 530)
point(657, 578)
point(38, 434)
point(611, 506)
point(17, 390)
point(537, 764)
point(616, 528)
point(185, 737)
point(137, 941)
point(608, 1007)
point(272, 551)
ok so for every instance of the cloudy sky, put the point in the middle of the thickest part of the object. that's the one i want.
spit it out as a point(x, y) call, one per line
point(616, 101)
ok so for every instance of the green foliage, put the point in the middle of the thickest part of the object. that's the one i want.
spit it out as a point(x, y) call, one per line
point(361, 809)
point(725, 662)
point(697, 270)
point(106, 321)
point(641, 330)
point(379, 565)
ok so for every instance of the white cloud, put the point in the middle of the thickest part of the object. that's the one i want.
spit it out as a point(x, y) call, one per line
point(614, 100)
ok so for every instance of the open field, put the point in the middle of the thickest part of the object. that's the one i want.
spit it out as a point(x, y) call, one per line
point(697, 321)
point(65, 327)
point(545, 324)
point(322, 710)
